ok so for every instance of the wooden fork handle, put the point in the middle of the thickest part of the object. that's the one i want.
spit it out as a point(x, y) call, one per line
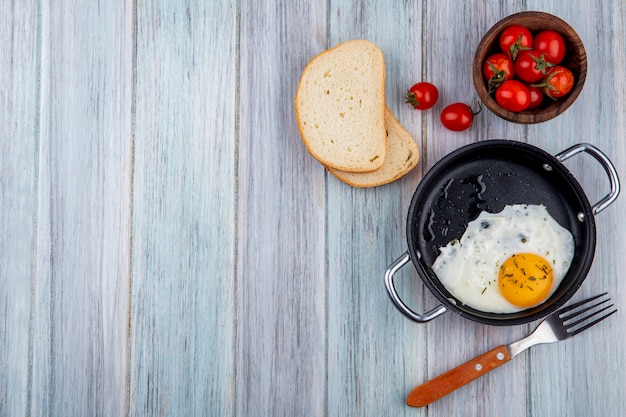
point(455, 378)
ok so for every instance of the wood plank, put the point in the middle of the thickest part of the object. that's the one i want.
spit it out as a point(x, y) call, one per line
point(182, 341)
point(19, 85)
point(81, 273)
point(281, 286)
point(375, 355)
point(582, 376)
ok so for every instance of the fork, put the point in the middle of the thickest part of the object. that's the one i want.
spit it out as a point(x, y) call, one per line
point(560, 325)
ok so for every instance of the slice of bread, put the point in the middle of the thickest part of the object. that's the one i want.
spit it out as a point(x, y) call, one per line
point(340, 107)
point(402, 157)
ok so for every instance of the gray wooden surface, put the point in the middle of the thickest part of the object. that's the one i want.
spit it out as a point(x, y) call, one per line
point(169, 248)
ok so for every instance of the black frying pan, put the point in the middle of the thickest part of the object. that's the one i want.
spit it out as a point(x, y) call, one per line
point(486, 176)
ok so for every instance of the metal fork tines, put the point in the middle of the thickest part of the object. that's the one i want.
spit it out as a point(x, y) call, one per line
point(568, 314)
point(566, 322)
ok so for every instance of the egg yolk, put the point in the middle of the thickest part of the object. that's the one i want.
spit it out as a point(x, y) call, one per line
point(525, 279)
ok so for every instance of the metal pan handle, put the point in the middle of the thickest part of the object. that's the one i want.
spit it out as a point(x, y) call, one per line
point(606, 164)
point(395, 298)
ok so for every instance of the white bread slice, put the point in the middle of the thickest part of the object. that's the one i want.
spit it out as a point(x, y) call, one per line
point(340, 106)
point(402, 157)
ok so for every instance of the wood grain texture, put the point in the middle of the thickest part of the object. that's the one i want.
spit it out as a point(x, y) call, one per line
point(281, 268)
point(168, 246)
point(81, 271)
point(19, 84)
point(182, 323)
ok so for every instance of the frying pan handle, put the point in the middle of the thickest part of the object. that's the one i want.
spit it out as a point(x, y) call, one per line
point(606, 164)
point(395, 298)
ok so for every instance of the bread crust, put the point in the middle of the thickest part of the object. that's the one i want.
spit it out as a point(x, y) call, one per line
point(402, 157)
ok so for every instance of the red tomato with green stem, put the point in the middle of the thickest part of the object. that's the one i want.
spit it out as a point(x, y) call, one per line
point(422, 96)
point(458, 116)
point(497, 69)
point(552, 44)
point(513, 96)
point(515, 38)
point(531, 66)
point(558, 83)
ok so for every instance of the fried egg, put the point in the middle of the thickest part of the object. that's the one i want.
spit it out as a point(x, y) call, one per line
point(507, 261)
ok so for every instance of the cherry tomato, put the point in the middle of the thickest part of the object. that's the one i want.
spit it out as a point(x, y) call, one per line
point(422, 96)
point(497, 69)
point(513, 96)
point(458, 116)
point(552, 44)
point(515, 38)
point(558, 83)
point(531, 66)
point(536, 97)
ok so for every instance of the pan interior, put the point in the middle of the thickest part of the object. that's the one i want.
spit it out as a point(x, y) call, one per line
point(487, 176)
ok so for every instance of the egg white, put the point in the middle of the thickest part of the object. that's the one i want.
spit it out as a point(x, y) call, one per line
point(468, 267)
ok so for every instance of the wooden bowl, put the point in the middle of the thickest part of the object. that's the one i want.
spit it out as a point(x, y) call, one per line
point(575, 60)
